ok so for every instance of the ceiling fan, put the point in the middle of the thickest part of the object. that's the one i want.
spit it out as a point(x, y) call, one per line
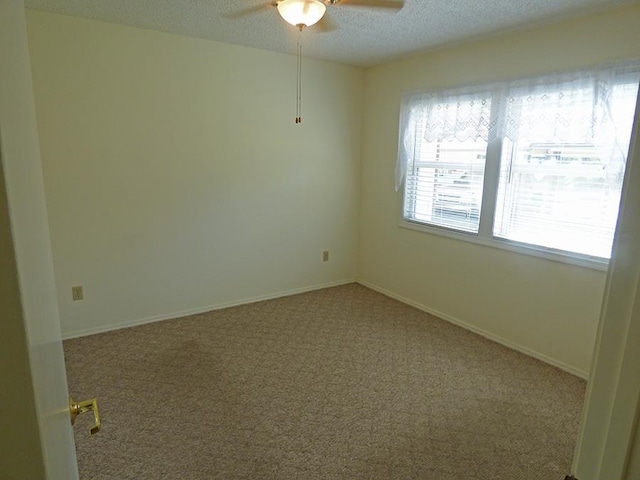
point(305, 13)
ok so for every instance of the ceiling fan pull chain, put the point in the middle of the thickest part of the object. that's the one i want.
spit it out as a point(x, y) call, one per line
point(299, 80)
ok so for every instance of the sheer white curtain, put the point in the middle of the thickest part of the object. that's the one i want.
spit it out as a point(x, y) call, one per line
point(558, 141)
point(578, 107)
point(459, 114)
point(567, 108)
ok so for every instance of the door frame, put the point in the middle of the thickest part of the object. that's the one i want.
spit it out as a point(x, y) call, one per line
point(611, 412)
point(47, 428)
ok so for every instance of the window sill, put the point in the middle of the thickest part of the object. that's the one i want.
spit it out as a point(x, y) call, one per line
point(595, 263)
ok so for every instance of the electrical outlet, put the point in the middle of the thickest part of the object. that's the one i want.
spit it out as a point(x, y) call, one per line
point(325, 256)
point(77, 293)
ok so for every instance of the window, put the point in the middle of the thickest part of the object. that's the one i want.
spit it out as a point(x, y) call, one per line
point(446, 187)
point(535, 163)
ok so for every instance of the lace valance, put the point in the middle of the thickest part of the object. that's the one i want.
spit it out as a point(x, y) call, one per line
point(572, 107)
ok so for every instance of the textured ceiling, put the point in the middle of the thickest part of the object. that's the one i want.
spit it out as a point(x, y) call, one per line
point(362, 36)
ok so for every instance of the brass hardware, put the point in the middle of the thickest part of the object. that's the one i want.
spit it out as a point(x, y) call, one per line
point(76, 409)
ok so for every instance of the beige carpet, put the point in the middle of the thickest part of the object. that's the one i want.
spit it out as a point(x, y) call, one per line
point(341, 383)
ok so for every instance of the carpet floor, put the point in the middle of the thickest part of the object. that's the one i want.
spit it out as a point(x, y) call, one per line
point(340, 383)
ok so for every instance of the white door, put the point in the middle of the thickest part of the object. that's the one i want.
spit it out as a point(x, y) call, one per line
point(31, 244)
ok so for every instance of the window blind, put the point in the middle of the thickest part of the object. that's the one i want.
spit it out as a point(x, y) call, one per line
point(562, 190)
point(545, 156)
point(444, 185)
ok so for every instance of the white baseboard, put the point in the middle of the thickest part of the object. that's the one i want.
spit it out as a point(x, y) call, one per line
point(198, 310)
point(443, 316)
point(491, 336)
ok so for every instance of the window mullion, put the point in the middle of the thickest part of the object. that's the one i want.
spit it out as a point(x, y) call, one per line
point(492, 167)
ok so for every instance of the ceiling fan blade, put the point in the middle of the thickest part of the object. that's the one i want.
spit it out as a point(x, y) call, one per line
point(397, 5)
point(251, 10)
point(324, 25)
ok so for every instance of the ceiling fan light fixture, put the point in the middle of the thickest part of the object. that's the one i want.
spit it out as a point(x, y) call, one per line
point(301, 12)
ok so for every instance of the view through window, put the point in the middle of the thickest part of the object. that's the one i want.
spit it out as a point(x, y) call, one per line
point(558, 148)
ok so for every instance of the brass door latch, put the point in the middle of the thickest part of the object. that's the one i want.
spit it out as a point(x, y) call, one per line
point(76, 409)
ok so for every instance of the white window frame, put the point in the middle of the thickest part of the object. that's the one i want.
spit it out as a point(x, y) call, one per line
point(485, 235)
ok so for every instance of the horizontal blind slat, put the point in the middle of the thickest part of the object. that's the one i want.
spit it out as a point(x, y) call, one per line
point(444, 185)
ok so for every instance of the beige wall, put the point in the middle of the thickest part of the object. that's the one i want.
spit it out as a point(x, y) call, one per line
point(546, 308)
point(176, 178)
